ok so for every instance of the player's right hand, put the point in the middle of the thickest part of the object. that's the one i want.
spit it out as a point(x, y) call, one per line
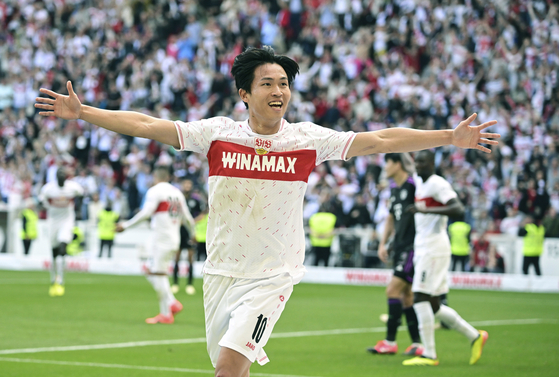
point(65, 107)
point(383, 253)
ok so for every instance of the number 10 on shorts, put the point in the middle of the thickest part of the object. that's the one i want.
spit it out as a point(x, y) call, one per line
point(259, 328)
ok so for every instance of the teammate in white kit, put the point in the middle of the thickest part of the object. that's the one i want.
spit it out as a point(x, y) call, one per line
point(58, 198)
point(258, 176)
point(435, 200)
point(166, 206)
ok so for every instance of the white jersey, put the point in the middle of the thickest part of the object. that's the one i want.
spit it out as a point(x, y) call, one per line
point(430, 229)
point(59, 201)
point(167, 207)
point(256, 188)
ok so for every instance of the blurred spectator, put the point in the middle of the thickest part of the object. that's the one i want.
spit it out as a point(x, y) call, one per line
point(511, 223)
point(551, 223)
point(459, 234)
point(533, 244)
point(359, 214)
point(322, 225)
point(484, 257)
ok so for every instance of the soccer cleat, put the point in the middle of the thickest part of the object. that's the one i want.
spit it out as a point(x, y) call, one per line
point(60, 290)
point(190, 290)
point(383, 348)
point(53, 290)
point(421, 361)
point(415, 349)
point(160, 318)
point(477, 346)
point(176, 307)
point(175, 289)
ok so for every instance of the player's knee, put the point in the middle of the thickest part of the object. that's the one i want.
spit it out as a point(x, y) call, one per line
point(227, 372)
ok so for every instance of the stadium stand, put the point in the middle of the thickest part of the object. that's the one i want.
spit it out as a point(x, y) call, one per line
point(365, 65)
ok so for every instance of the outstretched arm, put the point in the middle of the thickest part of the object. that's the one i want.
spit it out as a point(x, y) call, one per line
point(398, 140)
point(123, 122)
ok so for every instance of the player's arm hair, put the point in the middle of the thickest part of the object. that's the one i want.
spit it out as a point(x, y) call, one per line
point(132, 123)
point(453, 208)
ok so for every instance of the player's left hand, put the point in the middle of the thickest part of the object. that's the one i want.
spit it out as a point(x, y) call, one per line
point(416, 207)
point(119, 228)
point(466, 136)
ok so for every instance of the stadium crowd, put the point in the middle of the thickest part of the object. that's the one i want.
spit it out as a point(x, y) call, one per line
point(365, 65)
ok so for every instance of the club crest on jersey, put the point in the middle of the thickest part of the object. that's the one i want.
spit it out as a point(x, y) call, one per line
point(403, 194)
point(262, 146)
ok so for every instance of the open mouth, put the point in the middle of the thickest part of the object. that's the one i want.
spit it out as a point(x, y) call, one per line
point(276, 104)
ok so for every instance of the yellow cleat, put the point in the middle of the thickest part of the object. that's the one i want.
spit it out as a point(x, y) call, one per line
point(421, 361)
point(477, 346)
point(53, 290)
point(190, 290)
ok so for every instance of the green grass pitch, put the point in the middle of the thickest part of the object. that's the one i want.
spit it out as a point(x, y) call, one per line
point(324, 331)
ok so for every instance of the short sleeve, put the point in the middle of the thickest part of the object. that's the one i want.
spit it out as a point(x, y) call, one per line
point(391, 201)
point(444, 191)
point(197, 136)
point(330, 144)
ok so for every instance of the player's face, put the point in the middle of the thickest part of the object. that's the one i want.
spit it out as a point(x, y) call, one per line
point(186, 186)
point(269, 97)
point(423, 165)
point(391, 168)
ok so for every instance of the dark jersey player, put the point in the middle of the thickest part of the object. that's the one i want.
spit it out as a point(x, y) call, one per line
point(400, 226)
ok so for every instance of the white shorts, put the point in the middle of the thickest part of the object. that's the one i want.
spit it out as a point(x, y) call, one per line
point(160, 256)
point(241, 313)
point(61, 232)
point(431, 273)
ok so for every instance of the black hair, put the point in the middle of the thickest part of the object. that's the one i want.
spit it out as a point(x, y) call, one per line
point(246, 62)
point(429, 155)
point(394, 157)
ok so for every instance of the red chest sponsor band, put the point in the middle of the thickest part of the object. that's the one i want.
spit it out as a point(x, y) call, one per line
point(429, 202)
point(233, 160)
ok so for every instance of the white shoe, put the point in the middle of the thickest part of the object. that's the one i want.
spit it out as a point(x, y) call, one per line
point(175, 289)
point(190, 290)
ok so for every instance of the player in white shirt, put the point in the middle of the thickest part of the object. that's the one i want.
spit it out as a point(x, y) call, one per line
point(166, 206)
point(435, 201)
point(58, 198)
point(258, 175)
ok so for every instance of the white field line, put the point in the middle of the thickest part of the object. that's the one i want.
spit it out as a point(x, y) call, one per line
point(37, 281)
point(296, 334)
point(136, 367)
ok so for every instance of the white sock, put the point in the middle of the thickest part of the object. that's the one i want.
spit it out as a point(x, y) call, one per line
point(162, 290)
point(53, 271)
point(170, 296)
point(60, 270)
point(426, 320)
point(450, 317)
